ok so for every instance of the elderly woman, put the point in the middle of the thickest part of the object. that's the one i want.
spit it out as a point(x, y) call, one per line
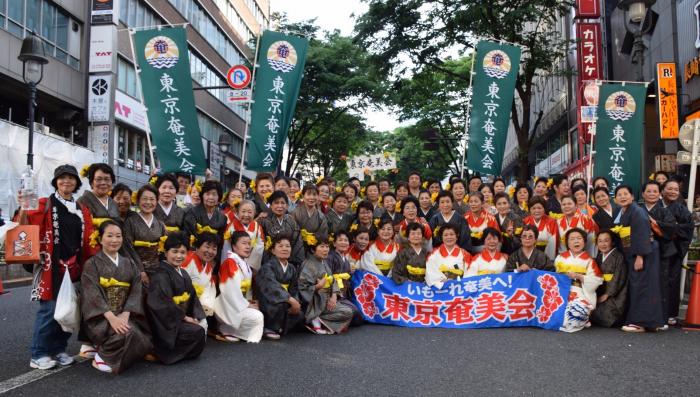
point(143, 231)
point(65, 227)
point(121, 194)
point(97, 199)
point(167, 210)
point(206, 217)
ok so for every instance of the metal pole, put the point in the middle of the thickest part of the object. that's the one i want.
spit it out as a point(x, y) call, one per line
point(691, 194)
point(30, 126)
point(248, 110)
point(468, 118)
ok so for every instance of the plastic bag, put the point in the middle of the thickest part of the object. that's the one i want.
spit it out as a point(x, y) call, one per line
point(67, 313)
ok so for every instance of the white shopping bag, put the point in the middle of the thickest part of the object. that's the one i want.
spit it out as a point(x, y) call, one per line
point(67, 313)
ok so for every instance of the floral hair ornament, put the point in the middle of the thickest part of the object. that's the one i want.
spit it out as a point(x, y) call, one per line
point(652, 176)
point(95, 238)
point(161, 243)
point(84, 171)
point(252, 186)
point(153, 180)
point(425, 185)
point(511, 191)
point(134, 197)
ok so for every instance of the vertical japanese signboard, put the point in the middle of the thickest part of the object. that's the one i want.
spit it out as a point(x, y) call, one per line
point(668, 100)
point(281, 65)
point(619, 134)
point(590, 69)
point(167, 92)
point(588, 9)
point(497, 68)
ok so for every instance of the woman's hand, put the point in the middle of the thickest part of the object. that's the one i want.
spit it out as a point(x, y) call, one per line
point(574, 276)
point(125, 316)
point(294, 306)
point(253, 305)
point(523, 268)
point(144, 278)
point(332, 302)
point(118, 323)
point(602, 298)
point(639, 263)
point(320, 284)
point(190, 320)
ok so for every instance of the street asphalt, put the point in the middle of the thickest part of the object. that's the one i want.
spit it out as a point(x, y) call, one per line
point(382, 360)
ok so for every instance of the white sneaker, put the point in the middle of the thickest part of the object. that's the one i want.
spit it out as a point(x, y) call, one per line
point(64, 359)
point(43, 363)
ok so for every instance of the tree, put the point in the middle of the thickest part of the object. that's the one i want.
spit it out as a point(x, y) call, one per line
point(425, 30)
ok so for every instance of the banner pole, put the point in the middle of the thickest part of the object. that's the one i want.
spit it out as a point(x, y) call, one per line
point(691, 196)
point(468, 119)
point(143, 102)
point(250, 104)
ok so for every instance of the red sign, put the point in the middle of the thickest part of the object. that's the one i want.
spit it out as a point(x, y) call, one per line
point(587, 9)
point(590, 67)
point(238, 77)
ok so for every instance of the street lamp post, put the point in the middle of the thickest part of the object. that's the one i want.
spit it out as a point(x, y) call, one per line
point(224, 144)
point(33, 60)
point(635, 14)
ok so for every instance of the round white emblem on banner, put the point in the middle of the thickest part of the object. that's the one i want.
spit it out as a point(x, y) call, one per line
point(161, 52)
point(497, 64)
point(282, 56)
point(620, 106)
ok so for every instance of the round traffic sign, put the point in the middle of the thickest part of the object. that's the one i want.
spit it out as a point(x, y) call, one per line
point(238, 77)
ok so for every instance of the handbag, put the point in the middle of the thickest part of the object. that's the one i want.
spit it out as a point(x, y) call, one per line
point(22, 245)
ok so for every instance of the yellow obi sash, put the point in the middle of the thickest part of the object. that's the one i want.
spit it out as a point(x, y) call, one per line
point(145, 244)
point(483, 272)
point(339, 277)
point(541, 244)
point(199, 289)
point(329, 281)
point(206, 229)
point(448, 269)
point(172, 229)
point(383, 265)
point(477, 234)
point(180, 299)
point(622, 231)
point(285, 286)
point(556, 215)
point(565, 268)
point(415, 271)
point(96, 222)
point(245, 285)
point(116, 291)
point(112, 282)
point(608, 277)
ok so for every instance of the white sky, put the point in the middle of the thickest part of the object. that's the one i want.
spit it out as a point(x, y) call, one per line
point(335, 14)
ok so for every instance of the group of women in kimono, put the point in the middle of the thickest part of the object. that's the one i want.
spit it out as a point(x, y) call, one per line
point(167, 265)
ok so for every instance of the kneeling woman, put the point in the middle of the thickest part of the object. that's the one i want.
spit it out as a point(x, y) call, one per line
point(447, 262)
point(585, 278)
point(381, 253)
point(490, 260)
point(176, 317)
point(278, 292)
point(112, 306)
point(238, 317)
point(320, 291)
point(410, 261)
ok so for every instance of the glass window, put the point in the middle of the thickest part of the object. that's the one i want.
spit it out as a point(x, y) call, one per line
point(16, 11)
point(140, 9)
point(131, 82)
point(33, 15)
point(61, 30)
point(133, 5)
point(48, 22)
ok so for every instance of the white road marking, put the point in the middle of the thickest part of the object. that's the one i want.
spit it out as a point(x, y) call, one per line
point(34, 375)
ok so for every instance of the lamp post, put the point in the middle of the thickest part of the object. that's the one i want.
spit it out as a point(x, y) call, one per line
point(635, 15)
point(224, 144)
point(33, 60)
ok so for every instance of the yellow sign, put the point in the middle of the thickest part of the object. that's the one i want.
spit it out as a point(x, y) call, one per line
point(668, 100)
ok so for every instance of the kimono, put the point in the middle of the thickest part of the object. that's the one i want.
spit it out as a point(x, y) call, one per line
point(444, 264)
point(553, 206)
point(314, 222)
point(645, 308)
point(141, 240)
point(394, 217)
point(611, 313)
point(109, 285)
point(477, 225)
point(485, 263)
point(537, 260)
point(402, 236)
point(340, 266)
point(337, 222)
point(427, 215)
point(274, 226)
point(409, 265)
point(511, 242)
point(170, 298)
point(582, 298)
point(518, 210)
point(197, 221)
point(257, 240)
point(203, 281)
point(336, 319)
point(464, 239)
point(578, 221)
point(172, 217)
point(664, 228)
point(379, 257)
point(99, 211)
point(605, 220)
point(682, 239)
point(460, 207)
point(354, 256)
point(232, 307)
point(547, 237)
point(275, 284)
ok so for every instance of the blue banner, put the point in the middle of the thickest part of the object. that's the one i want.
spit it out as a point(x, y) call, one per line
point(529, 299)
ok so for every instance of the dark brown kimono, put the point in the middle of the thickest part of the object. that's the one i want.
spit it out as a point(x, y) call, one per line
point(141, 241)
point(315, 301)
point(274, 226)
point(611, 313)
point(108, 287)
point(405, 258)
point(537, 260)
point(173, 338)
point(173, 220)
point(341, 268)
point(98, 211)
point(274, 287)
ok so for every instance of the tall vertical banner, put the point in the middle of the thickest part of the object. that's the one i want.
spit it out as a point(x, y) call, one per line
point(166, 85)
point(497, 67)
point(280, 62)
point(619, 134)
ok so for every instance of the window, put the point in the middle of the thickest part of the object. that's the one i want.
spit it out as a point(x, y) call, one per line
point(132, 150)
point(126, 78)
point(135, 13)
point(207, 76)
point(212, 131)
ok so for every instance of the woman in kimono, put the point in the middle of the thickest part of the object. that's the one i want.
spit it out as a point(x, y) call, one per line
point(352, 193)
point(612, 294)
point(337, 217)
point(447, 215)
point(390, 211)
point(206, 217)
point(372, 195)
point(684, 235)
point(262, 186)
point(308, 216)
point(340, 266)
point(381, 253)
point(478, 220)
point(561, 187)
point(528, 257)
point(448, 261)
point(281, 223)
point(320, 293)
point(523, 194)
point(541, 188)
point(409, 263)
point(294, 194)
point(245, 222)
point(167, 210)
point(175, 315)
point(364, 219)
point(487, 192)
point(112, 305)
point(199, 265)
point(402, 191)
point(573, 219)
point(143, 232)
point(585, 278)
point(236, 313)
point(324, 197)
point(509, 223)
point(121, 194)
point(581, 195)
point(499, 186)
point(606, 212)
point(360, 244)
point(546, 227)
point(426, 209)
point(459, 194)
point(641, 250)
point(278, 292)
point(233, 200)
point(97, 199)
point(490, 260)
point(409, 211)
